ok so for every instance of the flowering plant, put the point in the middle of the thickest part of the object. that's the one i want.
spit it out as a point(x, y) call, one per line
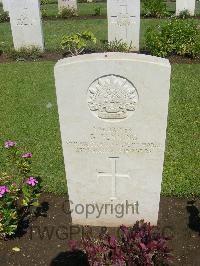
point(138, 245)
point(19, 191)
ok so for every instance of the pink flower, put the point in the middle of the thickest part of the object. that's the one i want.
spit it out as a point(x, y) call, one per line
point(27, 155)
point(31, 181)
point(9, 144)
point(3, 190)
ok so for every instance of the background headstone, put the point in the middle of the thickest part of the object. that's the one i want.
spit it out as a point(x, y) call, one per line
point(113, 119)
point(71, 4)
point(5, 5)
point(124, 21)
point(182, 5)
point(26, 24)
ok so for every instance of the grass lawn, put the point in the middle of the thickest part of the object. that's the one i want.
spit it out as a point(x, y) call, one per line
point(29, 116)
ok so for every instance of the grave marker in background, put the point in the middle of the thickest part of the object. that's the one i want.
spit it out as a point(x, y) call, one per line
point(5, 5)
point(70, 4)
point(124, 21)
point(26, 24)
point(113, 119)
point(182, 5)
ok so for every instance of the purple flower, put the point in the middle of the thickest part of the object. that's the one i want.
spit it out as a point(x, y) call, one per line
point(3, 190)
point(27, 155)
point(31, 181)
point(9, 144)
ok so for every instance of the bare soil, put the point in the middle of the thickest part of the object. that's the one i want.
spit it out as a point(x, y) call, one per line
point(53, 56)
point(44, 240)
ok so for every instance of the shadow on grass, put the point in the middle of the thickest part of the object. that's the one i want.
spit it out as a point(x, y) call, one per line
point(194, 218)
point(70, 258)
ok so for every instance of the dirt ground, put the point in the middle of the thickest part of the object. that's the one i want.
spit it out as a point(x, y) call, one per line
point(49, 56)
point(44, 240)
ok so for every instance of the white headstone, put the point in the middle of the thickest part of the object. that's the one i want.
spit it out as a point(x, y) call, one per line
point(113, 116)
point(5, 5)
point(124, 21)
point(182, 5)
point(71, 4)
point(26, 24)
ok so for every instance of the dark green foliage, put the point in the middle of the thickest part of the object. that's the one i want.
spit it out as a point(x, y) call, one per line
point(180, 37)
point(97, 11)
point(184, 14)
point(68, 13)
point(24, 54)
point(154, 8)
point(4, 17)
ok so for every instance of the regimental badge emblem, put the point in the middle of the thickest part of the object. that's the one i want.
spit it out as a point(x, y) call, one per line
point(112, 97)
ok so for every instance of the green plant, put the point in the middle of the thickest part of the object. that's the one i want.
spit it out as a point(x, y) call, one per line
point(184, 14)
point(181, 37)
point(76, 43)
point(97, 11)
point(44, 8)
point(44, 2)
point(155, 8)
point(4, 17)
point(116, 46)
point(19, 192)
point(23, 54)
point(68, 13)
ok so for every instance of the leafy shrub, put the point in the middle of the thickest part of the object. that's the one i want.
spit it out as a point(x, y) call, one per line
point(19, 191)
point(4, 17)
point(97, 11)
point(76, 43)
point(68, 13)
point(139, 245)
point(176, 36)
point(44, 8)
point(117, 46)
point(23, 54)
point(44, 2)
point(155, 8)
point(184, 14)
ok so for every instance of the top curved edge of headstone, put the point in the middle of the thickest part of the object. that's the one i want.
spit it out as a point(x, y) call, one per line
point(113, 56)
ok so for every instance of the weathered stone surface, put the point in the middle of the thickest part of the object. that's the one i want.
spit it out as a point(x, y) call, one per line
point(26, 24)
point(67, 4)
point(113, 116)
point(124, 21)
point(182, 5)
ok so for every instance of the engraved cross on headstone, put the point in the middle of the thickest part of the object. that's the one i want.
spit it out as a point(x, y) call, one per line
point(123, 19)
point(113, 175)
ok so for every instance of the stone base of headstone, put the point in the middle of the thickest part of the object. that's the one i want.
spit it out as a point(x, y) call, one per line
point(69, 4)
point(182, 5)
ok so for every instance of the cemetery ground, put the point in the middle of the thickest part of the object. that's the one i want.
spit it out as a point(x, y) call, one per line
point(55, 29)
point(29, 115)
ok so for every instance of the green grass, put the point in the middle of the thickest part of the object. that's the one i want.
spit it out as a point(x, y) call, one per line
point(84, 9)
point(28, 88)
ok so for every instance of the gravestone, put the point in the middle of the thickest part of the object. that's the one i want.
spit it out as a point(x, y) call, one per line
point(124, 21)
point(182, 5)
point(26, 24)
point(70, 4)
point(113, 119)
point(5, 5)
